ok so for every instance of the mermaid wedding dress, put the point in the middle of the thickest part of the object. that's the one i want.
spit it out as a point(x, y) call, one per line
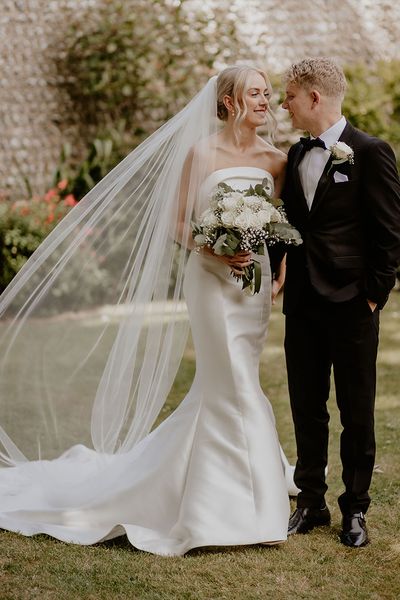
point(211, 474)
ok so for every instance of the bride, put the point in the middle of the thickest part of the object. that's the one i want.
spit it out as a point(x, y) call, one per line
point(85, 340)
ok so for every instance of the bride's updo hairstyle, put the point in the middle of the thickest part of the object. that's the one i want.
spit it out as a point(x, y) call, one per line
point(232, 82)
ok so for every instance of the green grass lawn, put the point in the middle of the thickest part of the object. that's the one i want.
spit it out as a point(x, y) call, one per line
point(306, 567)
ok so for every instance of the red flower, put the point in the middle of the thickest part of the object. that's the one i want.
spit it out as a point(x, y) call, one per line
point(50, 218)
point(70, 200)
point(50, 194)
point(62, 184)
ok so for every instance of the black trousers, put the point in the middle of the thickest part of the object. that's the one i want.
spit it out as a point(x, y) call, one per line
point(321, 335)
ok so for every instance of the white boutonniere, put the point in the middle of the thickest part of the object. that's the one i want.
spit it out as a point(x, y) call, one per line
point(341, 153)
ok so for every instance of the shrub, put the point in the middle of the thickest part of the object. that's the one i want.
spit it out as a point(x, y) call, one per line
point(141, 60)
point(102, 155)
point(25, 223)
point(372, 100)
point(137, 63)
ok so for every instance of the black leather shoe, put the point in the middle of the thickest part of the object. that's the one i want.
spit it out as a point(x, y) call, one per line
point(354, 531)
point(305, 519)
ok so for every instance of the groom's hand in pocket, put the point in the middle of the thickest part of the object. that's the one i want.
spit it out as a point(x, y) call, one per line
point(275, 289)
point(372, 305)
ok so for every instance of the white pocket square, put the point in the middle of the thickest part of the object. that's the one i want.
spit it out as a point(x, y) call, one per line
point(340, 177)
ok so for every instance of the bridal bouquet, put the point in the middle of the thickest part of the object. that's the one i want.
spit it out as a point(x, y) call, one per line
point(244, 220)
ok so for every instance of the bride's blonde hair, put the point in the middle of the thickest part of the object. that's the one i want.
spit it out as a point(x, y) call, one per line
point(232, 82)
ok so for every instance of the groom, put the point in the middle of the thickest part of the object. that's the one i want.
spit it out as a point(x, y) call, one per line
point(342, 192)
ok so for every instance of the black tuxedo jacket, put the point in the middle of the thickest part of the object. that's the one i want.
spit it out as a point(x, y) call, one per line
point(351, 235)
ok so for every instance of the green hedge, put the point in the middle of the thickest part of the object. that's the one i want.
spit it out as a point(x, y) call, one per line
point(372, 100)
point(25, 223)
point(136, 65)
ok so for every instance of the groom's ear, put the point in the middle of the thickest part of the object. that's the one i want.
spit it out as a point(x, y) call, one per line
point(315, 97)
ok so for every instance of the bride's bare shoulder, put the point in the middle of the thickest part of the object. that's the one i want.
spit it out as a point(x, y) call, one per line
point(273, 156)
point(272, 151)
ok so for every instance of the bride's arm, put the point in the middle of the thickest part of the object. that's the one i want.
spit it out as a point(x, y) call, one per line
point(183, 233)
point(279, 179)
point(280, 272)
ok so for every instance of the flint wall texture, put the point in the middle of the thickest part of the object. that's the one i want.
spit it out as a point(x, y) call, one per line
point(35, 112)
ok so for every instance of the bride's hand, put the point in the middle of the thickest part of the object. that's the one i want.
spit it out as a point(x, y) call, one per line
point(236, 263)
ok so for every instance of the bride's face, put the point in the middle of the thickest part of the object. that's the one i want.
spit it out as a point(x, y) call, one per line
point(256, 98)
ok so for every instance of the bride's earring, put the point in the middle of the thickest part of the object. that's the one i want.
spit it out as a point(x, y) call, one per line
point(233, 113)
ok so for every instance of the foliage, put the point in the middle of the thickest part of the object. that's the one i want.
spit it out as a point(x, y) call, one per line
point(25, 223)
point(101, 157)
point(145, 58)
point(137, 63)
point(372, 100)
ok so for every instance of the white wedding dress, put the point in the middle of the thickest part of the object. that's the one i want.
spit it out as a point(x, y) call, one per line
point(211, 474)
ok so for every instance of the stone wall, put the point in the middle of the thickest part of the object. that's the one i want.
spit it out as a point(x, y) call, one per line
point(35, 112)
point(35, 115)
point(349, 30)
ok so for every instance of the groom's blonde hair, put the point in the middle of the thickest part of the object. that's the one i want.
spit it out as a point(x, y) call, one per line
point(321, 74)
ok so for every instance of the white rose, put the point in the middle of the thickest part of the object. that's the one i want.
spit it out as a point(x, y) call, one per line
point(253, 201)
point(209, 219)
point(340, 150)
point(244, 219)
point(228, 218)
point(238, 196)
point(231, 201)
point(256, 220)
point(276, 216)
point(264, 217)
point(265, 205)
point(266, 213)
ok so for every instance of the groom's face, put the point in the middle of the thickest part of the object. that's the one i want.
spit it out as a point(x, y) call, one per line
point(299, 103)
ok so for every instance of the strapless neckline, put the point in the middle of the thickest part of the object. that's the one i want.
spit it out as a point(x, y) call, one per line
point(235, 173)
point(238, 177)
point(242, 169)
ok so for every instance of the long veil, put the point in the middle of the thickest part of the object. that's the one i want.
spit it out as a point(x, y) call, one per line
point(92, 328)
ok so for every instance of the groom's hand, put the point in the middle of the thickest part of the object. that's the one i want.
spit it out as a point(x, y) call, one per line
point(372, 305)
point(275, 289)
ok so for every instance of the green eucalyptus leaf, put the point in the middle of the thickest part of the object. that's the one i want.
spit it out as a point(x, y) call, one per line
point(220, 245)
point(232, 241)
point(259, 190)
point(257, 276)
point(225, 187)
point(200, 239)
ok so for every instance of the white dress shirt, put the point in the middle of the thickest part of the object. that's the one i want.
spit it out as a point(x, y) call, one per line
point(314, 161)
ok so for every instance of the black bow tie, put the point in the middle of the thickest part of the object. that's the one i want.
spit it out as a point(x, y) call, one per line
point(309, 143)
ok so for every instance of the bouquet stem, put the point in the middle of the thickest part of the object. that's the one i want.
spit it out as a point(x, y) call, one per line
point(252, 277)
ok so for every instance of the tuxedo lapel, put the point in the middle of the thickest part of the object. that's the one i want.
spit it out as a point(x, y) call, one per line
point(326, 179)
point(323, 186)
point(296, 175)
